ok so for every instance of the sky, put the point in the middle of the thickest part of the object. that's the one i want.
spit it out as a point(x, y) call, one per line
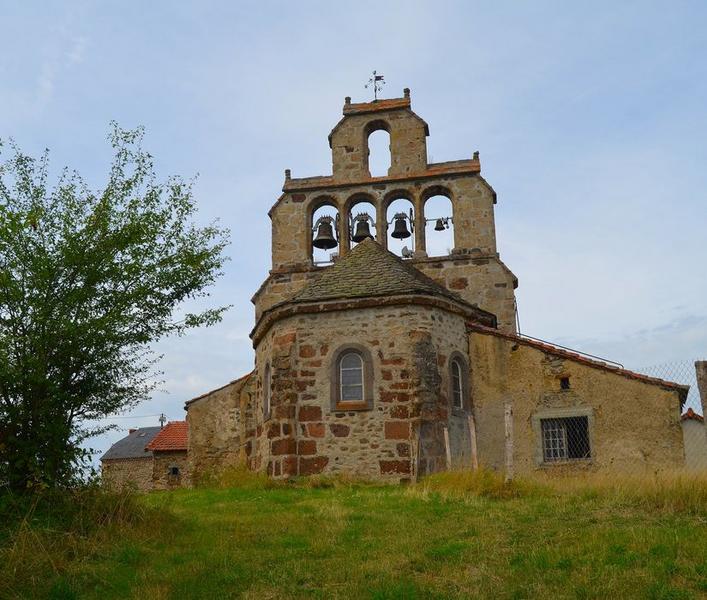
point(590, 119)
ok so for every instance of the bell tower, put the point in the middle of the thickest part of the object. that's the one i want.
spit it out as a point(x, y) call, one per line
point(319, 219)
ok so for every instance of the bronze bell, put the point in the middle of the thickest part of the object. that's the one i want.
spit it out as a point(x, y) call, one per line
point(325, 236)
point(400, 231)
point(363, 231)
point(439, 226)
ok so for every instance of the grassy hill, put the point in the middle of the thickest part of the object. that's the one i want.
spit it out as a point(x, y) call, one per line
point(454, 536)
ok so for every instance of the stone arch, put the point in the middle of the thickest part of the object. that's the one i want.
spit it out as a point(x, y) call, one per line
point(438, 206)
point(364, 203)
point(400, 201)
point(322, 206)
point(382, 166)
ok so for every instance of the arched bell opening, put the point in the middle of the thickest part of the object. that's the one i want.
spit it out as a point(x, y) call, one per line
point(377, 145)
point(401, 226)
point(325, 235)
point(362, 222)
point(439, 225)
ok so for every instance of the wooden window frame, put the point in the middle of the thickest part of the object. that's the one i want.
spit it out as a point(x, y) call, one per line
point(337, 404)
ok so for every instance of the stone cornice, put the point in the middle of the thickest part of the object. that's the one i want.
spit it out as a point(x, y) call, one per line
point(289, 309)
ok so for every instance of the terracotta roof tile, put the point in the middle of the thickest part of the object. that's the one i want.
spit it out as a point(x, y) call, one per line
point(692, 415)
point(173, 436)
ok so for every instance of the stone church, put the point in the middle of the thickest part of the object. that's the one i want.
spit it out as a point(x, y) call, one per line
point(390, 363)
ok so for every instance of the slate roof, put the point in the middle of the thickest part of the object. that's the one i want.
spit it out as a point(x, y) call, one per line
point(132, 445)
point(173, 436)
point(368, 271)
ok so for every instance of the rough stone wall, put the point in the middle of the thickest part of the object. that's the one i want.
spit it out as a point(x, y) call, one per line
point(634, 426)
point(133, 473)
point(695, 438)
point(217, 429)
point(163, 460)
point(349, 143)
point(306, 435)
point(482, 281)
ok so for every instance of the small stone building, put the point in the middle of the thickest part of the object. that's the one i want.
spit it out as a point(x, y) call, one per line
point(389, 363)
point(149, 458)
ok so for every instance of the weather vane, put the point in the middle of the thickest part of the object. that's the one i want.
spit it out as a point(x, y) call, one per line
point(377, 82)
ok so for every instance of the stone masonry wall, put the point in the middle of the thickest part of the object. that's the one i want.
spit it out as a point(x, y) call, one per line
point(163, 461)
point(634, 426)
point(305, 435)
point(217, 429)
point(133, 473)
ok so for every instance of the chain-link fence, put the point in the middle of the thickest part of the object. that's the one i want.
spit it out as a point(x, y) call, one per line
point(694, 429)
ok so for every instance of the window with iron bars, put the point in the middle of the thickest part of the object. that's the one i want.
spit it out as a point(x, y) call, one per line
point(565, 439)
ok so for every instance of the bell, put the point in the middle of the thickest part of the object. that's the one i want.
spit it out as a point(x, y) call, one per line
point(362, 232)
point(325, 237)
point(439, 226)
point(400, 231)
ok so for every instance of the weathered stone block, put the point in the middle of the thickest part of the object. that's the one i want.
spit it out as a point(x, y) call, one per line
point(306, 447)
point(310, 413)
point(339, 430)
point(397, 430)
point(284, 446)
point(312, 466)
point(388, 467)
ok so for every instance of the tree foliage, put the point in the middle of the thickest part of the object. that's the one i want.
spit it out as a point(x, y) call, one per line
point(88, 281)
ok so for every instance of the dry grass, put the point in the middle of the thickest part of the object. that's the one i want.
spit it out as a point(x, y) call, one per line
point(670, 493)
point(43, 535)
point(453, 535)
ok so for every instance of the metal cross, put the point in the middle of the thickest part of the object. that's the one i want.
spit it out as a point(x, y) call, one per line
point(377, 82)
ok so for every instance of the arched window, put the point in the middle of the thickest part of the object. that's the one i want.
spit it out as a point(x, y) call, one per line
point(378, 141)
point(457, 384)
point(400, 218)
point(362, 221)
point(439, 228)
point(351, 378)
point(459, 390)
point(325, 237)
point(267, 391)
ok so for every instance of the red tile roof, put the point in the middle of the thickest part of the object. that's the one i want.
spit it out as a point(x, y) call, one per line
point(385, 104)
point(691, 414)
point(172, 436)
point(577, 357)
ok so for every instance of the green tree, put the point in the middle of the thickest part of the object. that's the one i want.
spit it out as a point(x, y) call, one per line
point(88, 281)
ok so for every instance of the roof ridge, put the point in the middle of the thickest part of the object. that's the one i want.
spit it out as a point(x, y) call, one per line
point(579, 358)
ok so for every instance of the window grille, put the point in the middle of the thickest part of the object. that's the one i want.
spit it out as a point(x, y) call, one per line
point(351, 377)
point(565, 439)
